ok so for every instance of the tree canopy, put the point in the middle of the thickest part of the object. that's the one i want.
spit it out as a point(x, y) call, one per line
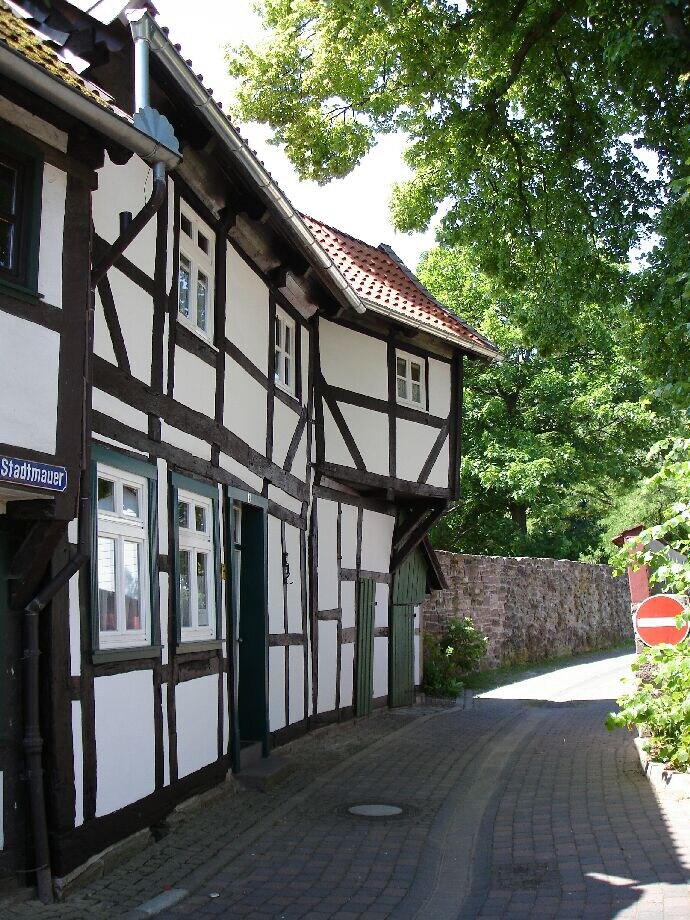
point(550, 441)
point(527, 121)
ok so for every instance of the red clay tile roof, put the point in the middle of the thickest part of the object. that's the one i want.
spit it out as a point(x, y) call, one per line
point(381, 279)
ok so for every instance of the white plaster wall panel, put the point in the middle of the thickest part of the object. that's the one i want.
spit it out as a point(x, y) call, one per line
point(135, 313)
point(124, 723)
point(122, 411)
point(194, 446)
point(52, 234)
point(33, 125)
point(232, 466)
point(414, 443)
point(226, 715)
point(328, 645)
point(29, 362)
point(171, 235)
point(335, 447)
point(287, 501)
point(285, 421)
point(299, 464)
point(347, 673)
point(245, 406)
point(439, 471)
point(380, 666)
point(327, 552)
point(377, 534)
point(247, 310)
point(276, 688)
point(296, 662)
point(162, 469)
point(195, 383)
point(74, 626)
point(276, 621)
point(348, 603)
point(306, 358)
point(125, 188)
point(102, 342)
point(78, 754)
point(294, 587)
point(439, 388)
point(166, 736)
point(370, 431)
point(381, 608)
point(353, 360)
point(417, 648)
point(196, 718)
point(348, 547)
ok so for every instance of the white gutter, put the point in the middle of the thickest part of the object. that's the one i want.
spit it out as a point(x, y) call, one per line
point(114, 126)
point(478, 349)
point(166, 53)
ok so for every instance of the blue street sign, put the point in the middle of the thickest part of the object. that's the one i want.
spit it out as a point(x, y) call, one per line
point(30, 473)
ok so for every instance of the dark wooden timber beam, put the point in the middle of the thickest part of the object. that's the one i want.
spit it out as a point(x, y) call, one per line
point(413, 531)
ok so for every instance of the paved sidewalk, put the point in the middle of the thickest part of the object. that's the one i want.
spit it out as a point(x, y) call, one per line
point(523, 806)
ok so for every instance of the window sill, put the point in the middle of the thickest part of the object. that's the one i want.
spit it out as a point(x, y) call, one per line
point(20, 291)
point(190, 327)
point(410, 405)
point(108, 655)
point(186, 646)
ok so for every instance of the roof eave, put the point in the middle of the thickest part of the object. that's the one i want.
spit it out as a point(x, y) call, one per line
point(164, 50)
point(491, 354)
point(118, 129)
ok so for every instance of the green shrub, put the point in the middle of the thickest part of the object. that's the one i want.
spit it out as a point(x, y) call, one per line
point(458, 651)
point(660, 704)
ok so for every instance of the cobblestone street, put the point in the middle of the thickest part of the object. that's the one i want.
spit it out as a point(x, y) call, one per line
point(521, 806)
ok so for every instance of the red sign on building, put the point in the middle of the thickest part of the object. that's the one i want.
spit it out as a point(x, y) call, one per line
point(655, 620)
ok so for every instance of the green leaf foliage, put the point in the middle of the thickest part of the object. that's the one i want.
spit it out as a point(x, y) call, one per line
point(456, 653)
point(527, 124)
point(549, 438)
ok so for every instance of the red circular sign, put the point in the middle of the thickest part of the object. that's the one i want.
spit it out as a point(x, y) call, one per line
point(655, 620)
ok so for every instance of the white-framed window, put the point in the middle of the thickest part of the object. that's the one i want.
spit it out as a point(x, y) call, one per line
point(122, 559)
point(285, 366)
point(410, 387)
point(196, 567)
point(196, 273)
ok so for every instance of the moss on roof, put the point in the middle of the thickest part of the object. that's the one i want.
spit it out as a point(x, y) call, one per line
point(20, 38)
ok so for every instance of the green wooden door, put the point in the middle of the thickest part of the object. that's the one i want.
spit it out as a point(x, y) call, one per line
point(364, 656)
point(409, 585)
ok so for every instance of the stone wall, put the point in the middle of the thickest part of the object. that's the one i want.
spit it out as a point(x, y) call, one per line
point(532, 608)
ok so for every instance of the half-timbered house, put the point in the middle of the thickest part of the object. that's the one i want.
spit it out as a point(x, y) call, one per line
point(225, 430)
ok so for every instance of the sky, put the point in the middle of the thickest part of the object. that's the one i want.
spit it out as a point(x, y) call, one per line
point(357, 204)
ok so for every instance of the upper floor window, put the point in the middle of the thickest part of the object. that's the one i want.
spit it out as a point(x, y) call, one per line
point(20, 203)
point(409, 375)
point(122, 558)
point(196, 566)
point(196, 273)
point(285, 367)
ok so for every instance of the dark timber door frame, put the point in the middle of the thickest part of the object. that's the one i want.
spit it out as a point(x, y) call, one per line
point(248, 625)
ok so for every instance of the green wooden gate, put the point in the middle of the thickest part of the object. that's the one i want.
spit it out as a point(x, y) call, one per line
point(364, 658)
point(409, 586)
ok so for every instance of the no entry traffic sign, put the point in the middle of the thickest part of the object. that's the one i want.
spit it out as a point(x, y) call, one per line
point(655, 620)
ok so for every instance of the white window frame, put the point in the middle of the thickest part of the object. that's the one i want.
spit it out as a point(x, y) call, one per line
point(282, 378)
point(195, 542)
point(199, 262)
point(407, 400)
point(117, 526)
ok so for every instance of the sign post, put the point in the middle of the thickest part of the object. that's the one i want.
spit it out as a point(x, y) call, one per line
point(655, 620)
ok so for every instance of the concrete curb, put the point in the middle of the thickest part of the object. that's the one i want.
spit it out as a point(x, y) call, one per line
point(667, 782)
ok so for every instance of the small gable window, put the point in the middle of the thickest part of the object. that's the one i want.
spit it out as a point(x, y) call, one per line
point(195, 275)
point(409, 380)
point(20, 209)
point(285, 369)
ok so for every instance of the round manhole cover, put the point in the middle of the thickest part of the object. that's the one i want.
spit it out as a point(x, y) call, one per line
point(375, 811)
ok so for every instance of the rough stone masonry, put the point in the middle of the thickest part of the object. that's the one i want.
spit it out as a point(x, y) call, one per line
point(532, 608)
